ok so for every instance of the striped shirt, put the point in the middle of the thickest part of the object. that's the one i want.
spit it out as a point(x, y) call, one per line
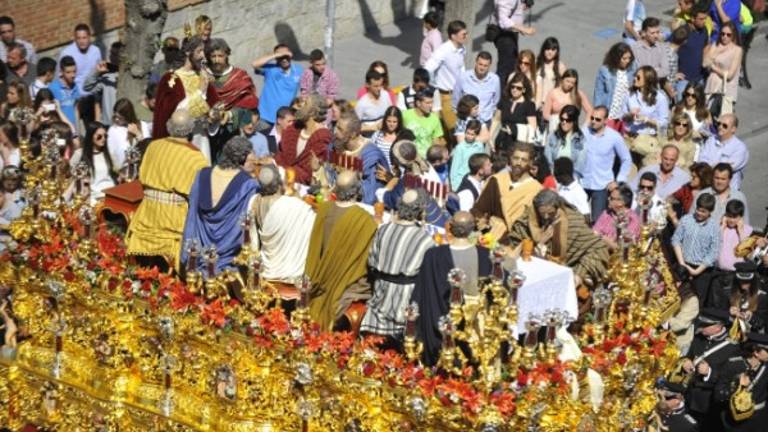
point(396, 252)
point(699, 241)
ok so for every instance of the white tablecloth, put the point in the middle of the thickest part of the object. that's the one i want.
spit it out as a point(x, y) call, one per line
point(547, 286)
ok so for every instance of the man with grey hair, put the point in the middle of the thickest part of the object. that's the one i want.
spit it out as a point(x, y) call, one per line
point(283, 226)
point(338, 254)
point(218, 202)
point(561, 234)
point(393, 264)
point(167, 171)
point(432, 290)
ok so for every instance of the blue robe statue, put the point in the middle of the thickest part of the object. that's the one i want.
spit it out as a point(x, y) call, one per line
point(218, 225)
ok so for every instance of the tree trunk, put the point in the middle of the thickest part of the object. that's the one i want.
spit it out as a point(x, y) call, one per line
point(144, 21)
point(463, 10)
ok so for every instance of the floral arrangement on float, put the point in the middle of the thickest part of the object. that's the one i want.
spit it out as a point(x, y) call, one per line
point(107, 345)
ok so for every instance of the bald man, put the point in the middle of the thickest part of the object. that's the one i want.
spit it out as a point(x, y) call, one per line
point(167, 172)
point(432, 291)
point(338, 255)
point(394, 261)
point(726, 147)
point(284, 225)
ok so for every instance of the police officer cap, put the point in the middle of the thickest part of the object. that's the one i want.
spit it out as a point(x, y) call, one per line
point(745, 270)
point(673, 387)
point(709, 316)
point(758, 339)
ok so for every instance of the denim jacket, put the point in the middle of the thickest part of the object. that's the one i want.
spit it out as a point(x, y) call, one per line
point(605, 83)
point(554, 144)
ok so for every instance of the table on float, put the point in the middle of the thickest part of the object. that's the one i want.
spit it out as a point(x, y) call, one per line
point(547, 286)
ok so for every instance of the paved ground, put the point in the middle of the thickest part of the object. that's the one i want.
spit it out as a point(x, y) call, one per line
point(585, 29)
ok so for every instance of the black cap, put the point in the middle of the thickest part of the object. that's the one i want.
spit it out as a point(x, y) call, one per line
point(672, 387)
point(709, 316)
point(758, 339)
point(745, 270)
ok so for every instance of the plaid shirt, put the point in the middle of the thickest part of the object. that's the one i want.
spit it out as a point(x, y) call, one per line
point(327, 86)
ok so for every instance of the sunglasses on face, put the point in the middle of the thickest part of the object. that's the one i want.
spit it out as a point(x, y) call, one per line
point(99, 136)
point(681, 124)
point(517, 87)
point(525, 63)
point(645, 187)
point(693, 95)
point(597, 119)
point(565, 120)
point(723, 125)
point(726, 34)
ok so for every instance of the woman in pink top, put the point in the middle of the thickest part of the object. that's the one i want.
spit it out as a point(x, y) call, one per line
point(733, 230)
point(724, 63)
point(380, 67)
point(566, 93)
point(619, 206)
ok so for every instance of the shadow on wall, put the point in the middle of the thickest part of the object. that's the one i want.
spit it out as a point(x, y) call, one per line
point(407, 41)
point(98, 26)
point(484, 14)
point(284, 34)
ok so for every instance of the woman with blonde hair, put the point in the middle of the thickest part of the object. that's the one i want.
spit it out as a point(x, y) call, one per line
point(680, 135)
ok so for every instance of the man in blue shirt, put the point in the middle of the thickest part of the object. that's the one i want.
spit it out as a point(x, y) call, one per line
point(65, 90)
point(690, 55)
point(602, 145)
point(281, 81)
point(696, 241)
point(483, 84)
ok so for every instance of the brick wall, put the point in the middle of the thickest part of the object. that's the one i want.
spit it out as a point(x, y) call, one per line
point(49, 23)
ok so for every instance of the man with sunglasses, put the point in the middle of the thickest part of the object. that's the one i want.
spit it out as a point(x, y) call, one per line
point(647, 199)
point(726, 147)
point(602, 146)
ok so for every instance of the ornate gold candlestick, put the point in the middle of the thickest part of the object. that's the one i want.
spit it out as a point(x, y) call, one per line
point(413, 348)
point(300, 315)
point(194, 279)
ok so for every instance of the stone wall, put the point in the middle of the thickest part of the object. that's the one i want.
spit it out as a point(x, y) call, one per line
point(251, 27)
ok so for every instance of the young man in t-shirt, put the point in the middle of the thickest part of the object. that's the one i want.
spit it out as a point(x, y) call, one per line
point(424, 124)
point(281, 81)
point(65, 90)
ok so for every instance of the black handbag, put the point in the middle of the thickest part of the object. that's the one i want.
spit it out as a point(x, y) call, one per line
point(492, 32)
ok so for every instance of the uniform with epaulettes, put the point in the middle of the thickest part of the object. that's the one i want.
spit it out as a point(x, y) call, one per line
point(676, 420)
point(715, 350)
point(729, 384)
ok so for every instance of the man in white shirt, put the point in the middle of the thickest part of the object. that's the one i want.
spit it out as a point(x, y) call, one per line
point(480, 168)
point(646, 198)
point(446, 66)
point(568, 187)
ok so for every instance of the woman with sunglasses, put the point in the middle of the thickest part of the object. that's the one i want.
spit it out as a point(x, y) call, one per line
point(548, 69)
point(515, 117)
point(694, 103)
point(526, 65)
point(620, 199)
point(95, 154)
point(646, 109)
point(566, 93)
point(724, 63)
point(567, 140)
point(680, 135)
point(614, 80)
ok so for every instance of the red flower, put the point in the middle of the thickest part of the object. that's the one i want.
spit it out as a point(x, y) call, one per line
point(181, 298)
point(429, 385)
point(274, 321)
point(504, 402)
point(143, 273)
point(214, 313)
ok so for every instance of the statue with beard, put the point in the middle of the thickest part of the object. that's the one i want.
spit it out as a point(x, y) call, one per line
point(185, 87)
point(235, 91)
